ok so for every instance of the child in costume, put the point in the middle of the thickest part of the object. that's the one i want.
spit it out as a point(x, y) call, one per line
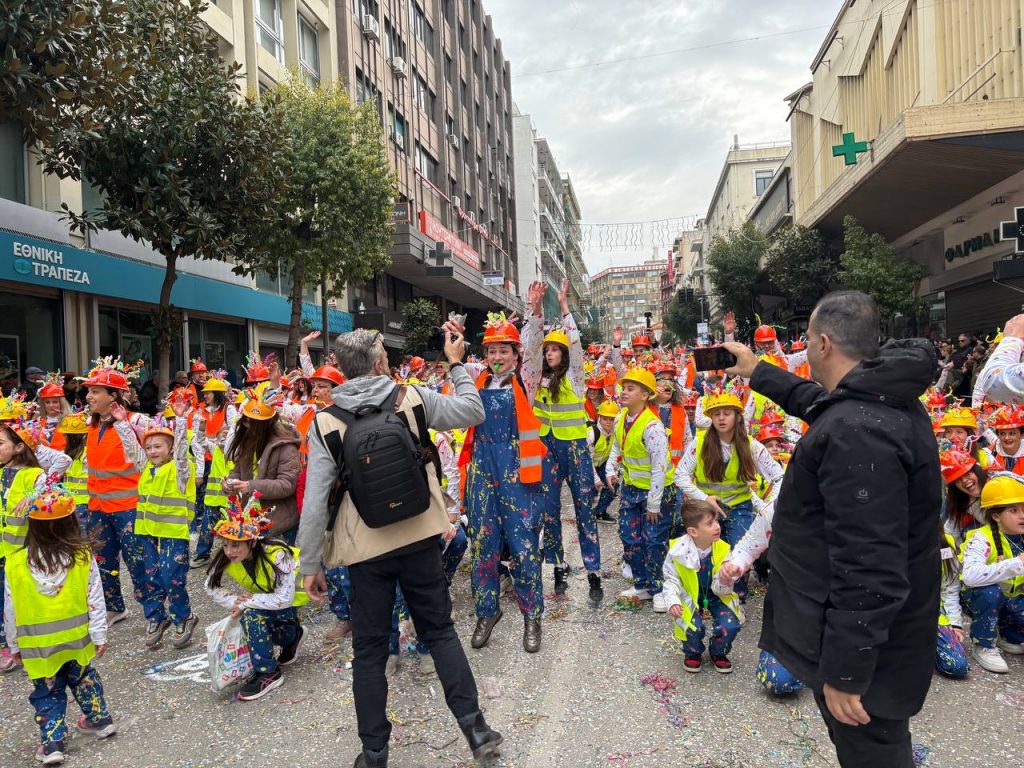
point(52, 407)
point(74, 427)
point(602, 435)
point(210, 423)
point(950, 651)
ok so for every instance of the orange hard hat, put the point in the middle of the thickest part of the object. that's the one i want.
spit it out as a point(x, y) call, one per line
point(765, 334)
point(329, 373)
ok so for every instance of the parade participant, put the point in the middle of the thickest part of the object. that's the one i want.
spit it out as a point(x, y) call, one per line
point(950, 651)
point(647, 506)
point(417, 370)
point(964, 480)
point(15, 409)
point(403, 552)
point(563, 429)
point(257, 370)
point(56, 620)
point(722, 463)
point(1001, 380)
point(75, 427)
point(690, 406)
point(669, 399)
point(267, 570)
point(1006, 422)
point(211, 422)
point(52, 408)
point(960, 426)
point(197, 377)
point(693, 587)
point(601, 438)
point(852, 606)
point(167, 493)
point(595, 396)
point(264, 452)
point(993, 575)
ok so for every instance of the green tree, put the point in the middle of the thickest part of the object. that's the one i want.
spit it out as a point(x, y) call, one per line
point(184, 163)
point(799, 264)
point(684, 312)
point(590, 334)
point(734, 267)
point(869, 264)
point(420, 318)
point(62, 64)
point(332, 224)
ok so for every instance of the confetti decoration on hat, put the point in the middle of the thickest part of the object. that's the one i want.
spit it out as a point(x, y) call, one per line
point(244, 523)
point(14, 407)
point(256, 368)
point(52, 502)
point(30, 432)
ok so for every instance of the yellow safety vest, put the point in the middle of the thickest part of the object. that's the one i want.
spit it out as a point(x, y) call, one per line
point(52, 630)
point(602, 446)
point(220, 468)
point(163, 510)
point(76, 480)
point(1013, 587)
point(636, 461)
point(444, 475)
point(567, 418)
point(265, 576)
point(14, 522)
point(731, 490)
point(690, 593)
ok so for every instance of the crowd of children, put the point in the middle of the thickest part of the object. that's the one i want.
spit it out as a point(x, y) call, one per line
point(695, 460)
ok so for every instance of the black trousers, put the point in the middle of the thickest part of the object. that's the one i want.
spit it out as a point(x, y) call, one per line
point(879, 743)
point(372, 599)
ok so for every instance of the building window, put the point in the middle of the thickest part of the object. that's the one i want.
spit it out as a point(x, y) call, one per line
point(12, 163)
point(761, 181)
point(448, 68)
point(269, 29)
point(426, 165)
point(361, 7)
point(309, 53)
point(422, 29)
point(397, 128)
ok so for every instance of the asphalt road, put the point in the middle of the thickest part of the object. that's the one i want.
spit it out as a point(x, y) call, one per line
point(607, 689)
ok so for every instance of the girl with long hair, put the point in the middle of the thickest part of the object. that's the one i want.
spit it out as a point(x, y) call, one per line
point(950, 651)
point(211, 421)
point(52, 408)
point(964, 480)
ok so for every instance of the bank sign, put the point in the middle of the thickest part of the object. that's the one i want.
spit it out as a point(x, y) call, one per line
point(47, 264)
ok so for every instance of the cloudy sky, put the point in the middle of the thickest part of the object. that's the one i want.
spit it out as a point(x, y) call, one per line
point(646, 139)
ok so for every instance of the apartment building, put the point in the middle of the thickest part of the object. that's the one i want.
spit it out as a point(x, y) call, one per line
point(623, 295)
point(435, 72)
point(575, 267)
point(66, 299)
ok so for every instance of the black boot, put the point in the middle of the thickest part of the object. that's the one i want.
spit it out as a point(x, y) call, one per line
point(561, 579)
point(596, 591)
point(370, 759)
point(483, 740)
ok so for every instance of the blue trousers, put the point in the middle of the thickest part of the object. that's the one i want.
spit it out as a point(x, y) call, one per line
point(740, 518)
point(605, 497)
point(452, 554)
point(165, 565)
point(49, 698)
point(645, 544)
point(195, 525)
point(774, 677)
point(338, 591)
point(569, 460)
point(990, 610)
point(114, 537)
point(950, 654)
point(726, 627)
point(264, 630)
point(206, 517)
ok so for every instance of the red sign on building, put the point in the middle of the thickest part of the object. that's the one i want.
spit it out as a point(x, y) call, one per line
point(438, 232)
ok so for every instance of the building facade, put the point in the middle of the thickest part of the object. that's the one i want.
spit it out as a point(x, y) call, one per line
point(575, 267)
point(435, 72)
point(623, 295)
point(912, 123)
point(67, 299)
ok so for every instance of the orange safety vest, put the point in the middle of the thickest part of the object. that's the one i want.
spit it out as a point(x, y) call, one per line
point(609, 382)
point(214, 422)
point(803, 371)
point(690, 372)
point(677, 438)
point(531, 450)
point(113, 482)
point(59, 441)
point(303, 426)
point(590, 409)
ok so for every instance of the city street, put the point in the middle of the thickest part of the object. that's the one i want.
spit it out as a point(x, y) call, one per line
point(607, 689)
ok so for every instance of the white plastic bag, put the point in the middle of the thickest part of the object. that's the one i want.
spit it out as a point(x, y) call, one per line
point(227, 652)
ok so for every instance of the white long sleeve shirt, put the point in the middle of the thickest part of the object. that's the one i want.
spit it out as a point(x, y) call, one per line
point(278, 600)
point(655, 440)
point(137, 454)
point(978, 573)
point(533, 352)
point(1002, 378)
point(685, 552)
point(53, 462)
point(450, 468)
point(767, 467)
point(951, 591)
point(757, 538)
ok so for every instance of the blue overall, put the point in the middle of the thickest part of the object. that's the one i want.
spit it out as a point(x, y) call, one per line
point(950, 654)
point(338, 591)
point(199, 519)
point(113, 536)
point(451, 555)
point(774, 677)
point(569, 460)
point(165, 564)
point(502, 510)
point(49, 698)
point(990, 609)
point(726, 623)
point(645, 544)
point(605, 497)
point(206, 517)
point(734, 527)
point(264, 630)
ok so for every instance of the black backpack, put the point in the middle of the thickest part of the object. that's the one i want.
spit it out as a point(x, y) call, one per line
point(380, 464)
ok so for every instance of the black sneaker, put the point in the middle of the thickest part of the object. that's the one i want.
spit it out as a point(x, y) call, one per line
point(260, 684)
point(721, 664)
point(561, 580)
point(605, 519)
point(596, 594)
point(290, 651)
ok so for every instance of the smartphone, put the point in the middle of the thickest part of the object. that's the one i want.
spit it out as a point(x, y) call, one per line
point(713, 358)
point(435, 344)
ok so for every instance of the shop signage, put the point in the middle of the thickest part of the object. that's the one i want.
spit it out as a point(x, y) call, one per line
point(1014, 230)
point(850, 149)
point(400, 213)
point(47, 262)
point(435, 230)
point(972, 245)
point(977, 237)
point(494, 278)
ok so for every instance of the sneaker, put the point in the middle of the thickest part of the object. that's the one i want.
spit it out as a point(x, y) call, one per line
point(290, 651)
point(991, 659)
point(605, 519)
point(561, 580)
point(52, 755)
point(115, 616)
point(341, 629)
point(260, 684)
point(99, 730)
point(627, 571)
point(692, 664)
point(199, 561)
point(426, 667)
point(639, 594)
point(7, 662)
point(183, 632)
point(596, 593)
point(1014, 649)
point(722, 664)
point(394, 664)
point(155, 632)
point(661, 603)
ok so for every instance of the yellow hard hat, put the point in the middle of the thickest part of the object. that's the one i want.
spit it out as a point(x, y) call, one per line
point(721, 399)
point(557, 336)
point(641, 376)
point(1002, 490)
point(960, 417)
point(214, 384)
point(608, 408)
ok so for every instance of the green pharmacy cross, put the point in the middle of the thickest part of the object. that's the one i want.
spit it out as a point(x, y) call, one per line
point(850, 149)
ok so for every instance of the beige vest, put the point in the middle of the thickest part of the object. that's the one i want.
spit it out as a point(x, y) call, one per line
point(352, 541)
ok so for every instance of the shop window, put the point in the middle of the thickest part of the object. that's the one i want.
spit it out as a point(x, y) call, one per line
point(221, 345)
point(129, 334)
point(12, 163)
point(31, 333)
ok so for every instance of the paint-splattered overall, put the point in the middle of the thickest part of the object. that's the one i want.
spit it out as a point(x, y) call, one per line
point(726, 623)
point(950, 654)
point(991, 608)
point(502, 510)
point(569, 460)
point(338, 591)
point(264, 630)
point(645, 543)
point(50, 699)
point(774, 677)
point(166, 568)
point(605, 497)
point(114, 536)
point(734, 528)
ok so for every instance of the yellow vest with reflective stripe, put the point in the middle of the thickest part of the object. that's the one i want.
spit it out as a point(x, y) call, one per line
point(602, 446)
point(265, 576)
point(76, 480)
point(163, 510)
point(636, 461)
point(690, 593)
point(567, 418)
point(51, 630)
point(220, 468)
point(731, 490)
point(1011, 588)
point(14, 522)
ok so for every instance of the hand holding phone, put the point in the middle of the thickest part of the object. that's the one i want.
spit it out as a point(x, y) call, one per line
point(713, 358)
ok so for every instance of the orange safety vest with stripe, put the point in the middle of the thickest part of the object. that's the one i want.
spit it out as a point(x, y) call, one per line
point(531, 449)
point(677, 433)
point(588, 406)
point(303, 425)
point(113, 482)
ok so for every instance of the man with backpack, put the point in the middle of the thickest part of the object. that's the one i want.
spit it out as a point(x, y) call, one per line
point(373, 485)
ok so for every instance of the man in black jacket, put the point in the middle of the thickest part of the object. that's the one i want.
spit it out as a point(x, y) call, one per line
point(852, 608)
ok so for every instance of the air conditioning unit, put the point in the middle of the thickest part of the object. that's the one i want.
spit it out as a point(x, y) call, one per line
point(453, 139)
point(398, 66)
point(371, 27)
point(457, 202)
